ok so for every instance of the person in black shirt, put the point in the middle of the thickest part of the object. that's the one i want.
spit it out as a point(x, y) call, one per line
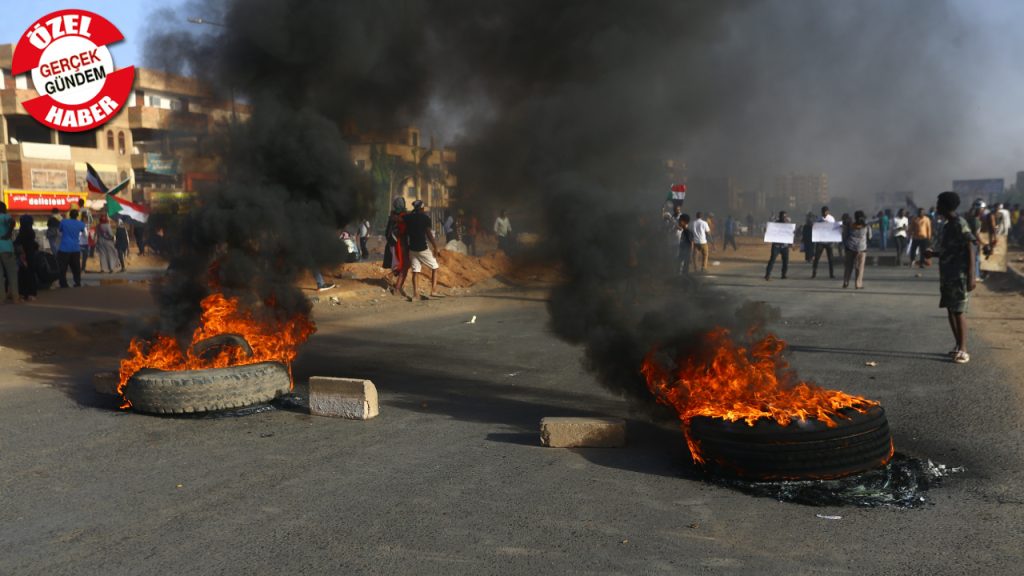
point(419, 232)
point(53, 231)
point(121, 243)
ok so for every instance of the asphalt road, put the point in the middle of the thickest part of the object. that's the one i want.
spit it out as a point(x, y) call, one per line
point(450, 478)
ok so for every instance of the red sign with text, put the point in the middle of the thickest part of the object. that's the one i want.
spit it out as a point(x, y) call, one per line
point(31, 200)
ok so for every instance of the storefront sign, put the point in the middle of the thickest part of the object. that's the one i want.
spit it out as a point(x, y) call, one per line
point(160, 164)
point(41, 201)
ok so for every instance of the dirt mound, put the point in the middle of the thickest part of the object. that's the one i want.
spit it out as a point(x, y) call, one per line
point(461, 271)
point(457, 270)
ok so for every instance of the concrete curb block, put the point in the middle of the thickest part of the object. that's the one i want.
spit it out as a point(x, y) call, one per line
point(573, 432)
point(351, 398)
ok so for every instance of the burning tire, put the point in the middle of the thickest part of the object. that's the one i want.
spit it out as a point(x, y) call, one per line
point(186, 391)
point(802, 450)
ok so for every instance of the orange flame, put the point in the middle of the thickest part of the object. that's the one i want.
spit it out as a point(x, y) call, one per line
point(270, 342)
point(728, 381)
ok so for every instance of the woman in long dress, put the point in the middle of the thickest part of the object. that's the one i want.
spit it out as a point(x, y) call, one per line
point(105, 249)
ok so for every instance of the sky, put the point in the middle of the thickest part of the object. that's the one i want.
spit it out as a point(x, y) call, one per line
point(993, 138)
point(129, 17)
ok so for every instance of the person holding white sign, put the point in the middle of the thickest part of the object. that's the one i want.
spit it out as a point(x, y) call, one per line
point(779, 248)
point(825, 247)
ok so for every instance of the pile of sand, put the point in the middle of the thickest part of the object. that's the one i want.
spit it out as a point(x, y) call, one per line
point(457, 270)
point(462, 271)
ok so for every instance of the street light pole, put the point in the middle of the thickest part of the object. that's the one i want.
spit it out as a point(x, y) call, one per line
point(231, 88)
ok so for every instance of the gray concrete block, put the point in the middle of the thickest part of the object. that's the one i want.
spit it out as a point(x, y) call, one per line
point(351, 398)
point(574, 432)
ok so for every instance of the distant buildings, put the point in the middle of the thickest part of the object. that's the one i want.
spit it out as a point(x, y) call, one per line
point(40, 168)
point(156, 143)
point(799, 192)
point(401, 165)
point(171, 117)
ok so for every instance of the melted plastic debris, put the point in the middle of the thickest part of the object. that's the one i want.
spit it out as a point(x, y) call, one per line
point(902, 483)
point(236, 413)
point(292, 403)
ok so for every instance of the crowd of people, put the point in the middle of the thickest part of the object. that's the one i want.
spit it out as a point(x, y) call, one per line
point(918, 236)
point(32, 259)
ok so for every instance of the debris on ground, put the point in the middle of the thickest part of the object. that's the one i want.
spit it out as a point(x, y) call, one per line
point(902, 483)
point(871, 363)
point(827, 517)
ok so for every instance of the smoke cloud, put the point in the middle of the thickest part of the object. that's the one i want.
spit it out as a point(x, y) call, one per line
point(563, 112)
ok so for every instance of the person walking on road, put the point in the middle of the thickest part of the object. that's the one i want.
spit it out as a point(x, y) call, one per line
point(956, 271)
point(883, 229)
point(825, 247)
point(7, 259)
point(685, 245)
point(53, 231)
point(701, 234)
point(139, 232)
point(85, 241)
point(856, 235)
point(472, 230)
point(105, 249)
point(396, 248)
point(121, 244)
point(900, 227)
point(779, 250)
point(921, 238)
point(26, 248)
point(419, 231)
point(730, 234)
point(503, 230)
point(69, 253)
point(806, 237)
point(364, 237)
point(1000, 227)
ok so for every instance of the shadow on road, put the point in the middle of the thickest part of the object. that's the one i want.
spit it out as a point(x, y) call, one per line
point(872, 353)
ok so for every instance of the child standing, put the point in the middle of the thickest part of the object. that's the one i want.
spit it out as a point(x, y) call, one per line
point(956, 270)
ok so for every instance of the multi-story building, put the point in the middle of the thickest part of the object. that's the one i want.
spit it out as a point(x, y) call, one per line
point(156, 143)
point(170, 117)
point(401, 165)
point(799, 192)
point(42, 168)
point(722, 195)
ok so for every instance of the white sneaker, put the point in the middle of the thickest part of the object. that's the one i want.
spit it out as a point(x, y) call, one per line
point(962, 357)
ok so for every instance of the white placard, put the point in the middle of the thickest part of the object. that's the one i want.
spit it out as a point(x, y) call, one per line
point(779, 232)
point(825, 232)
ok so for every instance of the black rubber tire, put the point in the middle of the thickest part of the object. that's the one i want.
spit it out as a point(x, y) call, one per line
point(188, 391)
point(799, 451)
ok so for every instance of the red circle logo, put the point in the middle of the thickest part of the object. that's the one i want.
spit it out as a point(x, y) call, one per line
point(72, 70)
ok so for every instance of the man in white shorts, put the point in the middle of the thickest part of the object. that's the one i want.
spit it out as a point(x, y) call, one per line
point(419, 232)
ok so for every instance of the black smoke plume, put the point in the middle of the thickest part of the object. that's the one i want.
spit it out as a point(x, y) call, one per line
point(564, 112)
